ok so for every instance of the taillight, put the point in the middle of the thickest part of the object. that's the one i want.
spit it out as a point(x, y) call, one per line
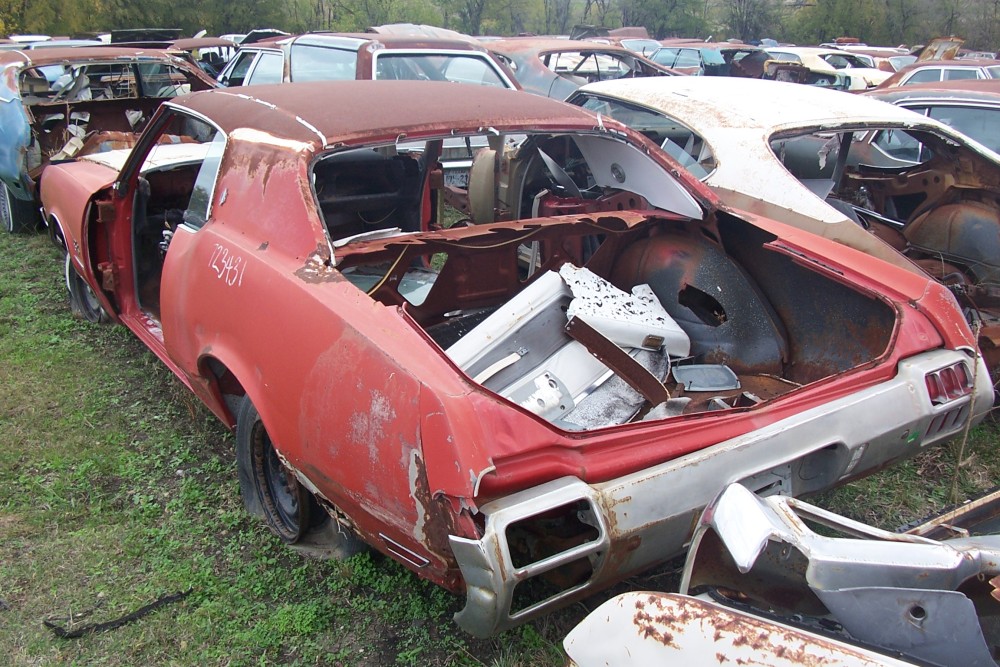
point(949, 383)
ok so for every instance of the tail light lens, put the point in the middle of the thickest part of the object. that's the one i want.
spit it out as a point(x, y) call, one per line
point(949, 383)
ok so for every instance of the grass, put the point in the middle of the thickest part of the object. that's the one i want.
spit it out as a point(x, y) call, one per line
point(117, 487)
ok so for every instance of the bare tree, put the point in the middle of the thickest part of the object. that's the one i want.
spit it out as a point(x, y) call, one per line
point(751, 19)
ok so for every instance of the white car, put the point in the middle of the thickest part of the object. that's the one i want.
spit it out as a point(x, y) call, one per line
point(798, 154)
point(862, 75)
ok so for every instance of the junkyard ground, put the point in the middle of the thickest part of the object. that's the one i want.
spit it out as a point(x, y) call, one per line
point(117, 488)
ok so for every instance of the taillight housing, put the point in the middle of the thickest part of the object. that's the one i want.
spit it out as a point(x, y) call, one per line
point(949, 383)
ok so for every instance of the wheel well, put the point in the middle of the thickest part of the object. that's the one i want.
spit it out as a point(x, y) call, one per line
point(225, 384)
point(56, 234)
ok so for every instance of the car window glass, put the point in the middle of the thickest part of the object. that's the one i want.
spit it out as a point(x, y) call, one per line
point(162, 80)
point(473, 69)
point(713, 57)
point(981, 124)
point(318, 63)
point(994, 72)
point(899, 145)
point(588, 66)
point(836, 61)
point(688, 58)
point(238, 72)
point(181, 169)
point(665, 57)
point(268, 69)
point(923, 75)
point(197, 211)
point(957, 74)
point(784, 56)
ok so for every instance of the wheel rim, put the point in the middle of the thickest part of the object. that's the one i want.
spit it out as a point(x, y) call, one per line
point(82, 295)
point(6, 215)
point(284, 500)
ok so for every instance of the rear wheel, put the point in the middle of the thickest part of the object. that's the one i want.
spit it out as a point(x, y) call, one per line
point(82, 299)
point(17, 215)
point(267, 486)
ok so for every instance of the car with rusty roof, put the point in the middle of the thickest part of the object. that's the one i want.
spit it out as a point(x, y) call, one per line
point(527, 407)
point(556, 67)
point(321, 56)
point(802, 156)
point(59, 102)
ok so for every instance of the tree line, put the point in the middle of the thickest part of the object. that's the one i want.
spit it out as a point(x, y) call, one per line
point(880, 22)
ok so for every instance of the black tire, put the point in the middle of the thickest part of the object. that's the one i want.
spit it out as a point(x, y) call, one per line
point(17, 215)
point(268, 488)
point(82, 299)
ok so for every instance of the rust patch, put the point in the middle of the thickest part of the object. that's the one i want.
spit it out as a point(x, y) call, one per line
point(655, 620)
point(317, 269)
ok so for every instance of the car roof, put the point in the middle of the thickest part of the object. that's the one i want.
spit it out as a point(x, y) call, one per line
point(387, 40)
point(965, 63)
point(707, 103)
point(715, 46)
point(550, 44)
point(977, 90)
point(346, 111)
point(958, 62)
point(79, 54)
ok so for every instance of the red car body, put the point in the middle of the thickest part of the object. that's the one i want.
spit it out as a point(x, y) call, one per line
point(334, 354)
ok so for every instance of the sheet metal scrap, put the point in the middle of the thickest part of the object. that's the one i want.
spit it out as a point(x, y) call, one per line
point(902, 593)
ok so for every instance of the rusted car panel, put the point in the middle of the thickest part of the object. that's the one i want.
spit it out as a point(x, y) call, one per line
point(467, 400)
point(898, 592)
point(61, 102)
point(556, 67)
point(652, 628)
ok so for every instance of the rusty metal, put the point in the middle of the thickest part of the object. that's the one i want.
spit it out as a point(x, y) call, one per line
point(618, 360)
point(977, 516)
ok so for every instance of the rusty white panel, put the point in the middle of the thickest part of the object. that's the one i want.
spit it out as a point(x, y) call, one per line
point(642, 628)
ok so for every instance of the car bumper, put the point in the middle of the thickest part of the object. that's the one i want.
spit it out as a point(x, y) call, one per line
point(646, 517)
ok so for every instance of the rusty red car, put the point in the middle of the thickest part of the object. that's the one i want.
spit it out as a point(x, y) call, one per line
point(529, 404)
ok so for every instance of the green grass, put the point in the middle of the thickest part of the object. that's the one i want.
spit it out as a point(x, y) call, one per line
point(118, 487)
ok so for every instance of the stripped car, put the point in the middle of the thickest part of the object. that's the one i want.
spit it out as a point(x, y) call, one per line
point(802, 156)
point(557, 67)
point(527, 409)
point(858, 72)
point(60, 102)
point(790, 583)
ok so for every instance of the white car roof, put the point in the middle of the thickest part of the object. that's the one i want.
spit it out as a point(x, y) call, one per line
point(737, 118)
point(708, 103)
